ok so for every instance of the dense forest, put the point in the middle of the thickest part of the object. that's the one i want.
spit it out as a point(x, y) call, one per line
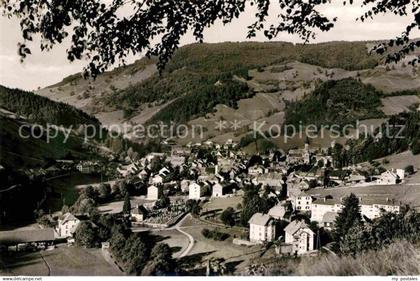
point(41, 110)
point(400, 133)
point(338, 102)
point(203, 100)
point(195, 70)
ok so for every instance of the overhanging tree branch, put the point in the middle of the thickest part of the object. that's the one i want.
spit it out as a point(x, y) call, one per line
point(101, 35)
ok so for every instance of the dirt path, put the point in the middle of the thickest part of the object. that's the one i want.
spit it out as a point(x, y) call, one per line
point(46, 263)
point(190, 238)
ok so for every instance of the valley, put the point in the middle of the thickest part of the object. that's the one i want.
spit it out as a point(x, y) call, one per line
point(193, 204)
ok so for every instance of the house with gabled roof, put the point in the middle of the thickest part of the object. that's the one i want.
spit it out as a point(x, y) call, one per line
point(389, 177)
point(154, 192)
point(261, 228)
point(328, 220)
point(278, 212)
point(67, 225)
point(300, 236)
point(195, 191)
point(157, 180)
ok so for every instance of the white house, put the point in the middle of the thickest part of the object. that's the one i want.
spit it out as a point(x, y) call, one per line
point(374, 208)
point(195, 191)
point(154, 192)
point(303, 202)
point(322, 206)
point(300, 236)
point(388, 177)
point(217, 190)
point(369, 207)
point(67, 225)
point(400, 173)
point(157, 179)
point(261, 228)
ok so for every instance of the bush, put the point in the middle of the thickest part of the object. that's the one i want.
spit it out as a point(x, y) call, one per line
point(228, 216)
point(409, 169)
point(214, 234)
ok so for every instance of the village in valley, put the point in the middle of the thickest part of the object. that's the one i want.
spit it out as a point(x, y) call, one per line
point(220, 210)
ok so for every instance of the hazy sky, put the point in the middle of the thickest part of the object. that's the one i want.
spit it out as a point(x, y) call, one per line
point(43, 69)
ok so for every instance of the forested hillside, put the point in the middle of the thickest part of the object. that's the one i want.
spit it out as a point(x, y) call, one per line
point(41, 110)
point(400, 133)
point(336, 102)
point(21, 152)
point(196, 71)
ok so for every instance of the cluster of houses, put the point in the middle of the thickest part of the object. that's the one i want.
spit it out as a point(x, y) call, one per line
point(228, 170)
point(208, 170)
point(298, 237)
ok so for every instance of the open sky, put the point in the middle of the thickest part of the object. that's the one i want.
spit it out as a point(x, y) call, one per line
point(45, 68)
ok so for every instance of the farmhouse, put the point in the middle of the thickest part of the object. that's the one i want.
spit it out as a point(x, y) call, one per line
point(300, 236)
point(86, 167)
point(296, 156)
point(180, 151)
point(225, 164)
point(355, 179)
point(261, 228)
point(389, 177)
point(67, 225)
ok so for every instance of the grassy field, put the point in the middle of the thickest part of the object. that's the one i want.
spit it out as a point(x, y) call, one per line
point(400, 258)
point(61, 261)
point(237, 257)
point(405, 193)
point(398, 104)
point(222, 203)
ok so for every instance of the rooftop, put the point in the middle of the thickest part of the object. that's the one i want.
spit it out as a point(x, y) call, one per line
point(260, 219)
point(26, 236)
point(294, 226)
point(329, 217)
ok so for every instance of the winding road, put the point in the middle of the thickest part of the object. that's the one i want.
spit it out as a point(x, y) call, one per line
point(190, 238)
